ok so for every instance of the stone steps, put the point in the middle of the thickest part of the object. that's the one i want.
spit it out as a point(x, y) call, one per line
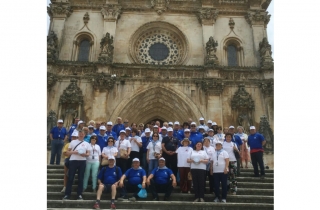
point(168, 205)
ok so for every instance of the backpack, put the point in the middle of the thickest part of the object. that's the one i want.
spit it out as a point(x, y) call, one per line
point(104, 169)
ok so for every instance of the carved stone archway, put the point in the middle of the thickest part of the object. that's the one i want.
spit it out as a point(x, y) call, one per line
point(157, 102)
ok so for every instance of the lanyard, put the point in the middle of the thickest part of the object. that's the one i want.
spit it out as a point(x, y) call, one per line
point(120, 141)
point(94, 146)
point(218, 153)
point(154, 145)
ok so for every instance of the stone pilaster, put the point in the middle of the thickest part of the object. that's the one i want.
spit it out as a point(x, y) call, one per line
point(111, 13)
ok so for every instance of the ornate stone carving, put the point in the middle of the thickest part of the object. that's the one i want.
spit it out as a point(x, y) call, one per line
point(52, 47)
point(257, 17)
point(211, 86)
point(51, 80)
point(51, 122)
point(208, 16)
point(86, 18)
point(106, 46)
point(242, 99)
point(72, 94)
point(59, 9)
point(103, 81)
point(267, 132)
point(267, 87)
point(232, 1)
point(231, 23)
point(111, 12)
point(265, 54)
point(211, 48)
point(160, 6)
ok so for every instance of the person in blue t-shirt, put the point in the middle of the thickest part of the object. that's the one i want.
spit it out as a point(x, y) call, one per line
point(131, 179)
point(236, 139)
point(195, 136)
point(118, 127)
point(143, 150)
point(109, 131)
point(72, 127)
point(108, 181)
point(160, 182)
point(102, 137)
point(57, 136)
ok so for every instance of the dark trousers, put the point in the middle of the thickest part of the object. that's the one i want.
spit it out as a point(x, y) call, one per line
point(220, 178)
point(74, 166)
point(238, 165)
point(122, 163)
point(143, 161)
point(211, 181)
point(171, 162)
point(199, 183)
point(161, 188)
point(56, 150)
point(132, 155)
point(185, 184)
point(257, 158)
point(130, 188)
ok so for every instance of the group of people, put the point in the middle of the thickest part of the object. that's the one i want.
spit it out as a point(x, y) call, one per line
point(155, 158)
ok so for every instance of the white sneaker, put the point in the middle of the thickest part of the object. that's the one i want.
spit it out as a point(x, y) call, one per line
point(223, 201)
point(63, 189)
point(216, 200)
point(132, 199)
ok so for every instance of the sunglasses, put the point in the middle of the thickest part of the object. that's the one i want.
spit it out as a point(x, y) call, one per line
point(110, 141)
point(155, 136)
point(192, 126)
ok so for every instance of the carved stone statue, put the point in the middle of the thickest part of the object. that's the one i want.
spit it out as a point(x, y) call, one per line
point(52, 45)
point(160, 5)
point(267, 132)
point(231, 23)
point(211, 48)
point(70, 115)
point(106, 46)
point(245, 121)
point(265, 54)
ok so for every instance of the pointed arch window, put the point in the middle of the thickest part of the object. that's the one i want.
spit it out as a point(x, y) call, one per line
point(83, 48)
point(233, 53)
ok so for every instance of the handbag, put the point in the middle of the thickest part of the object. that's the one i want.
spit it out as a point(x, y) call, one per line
point(143, 192)
point(189, 176)
point(123, 153)
point(105, 162)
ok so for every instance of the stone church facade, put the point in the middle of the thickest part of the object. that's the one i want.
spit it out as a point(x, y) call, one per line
point(161, 59)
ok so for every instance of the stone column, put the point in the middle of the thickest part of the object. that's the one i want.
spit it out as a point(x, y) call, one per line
point(110, 13)
point(258, 20)
point(59, 12)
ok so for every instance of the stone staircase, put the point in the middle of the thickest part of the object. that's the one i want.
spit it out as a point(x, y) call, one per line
point(253, 193)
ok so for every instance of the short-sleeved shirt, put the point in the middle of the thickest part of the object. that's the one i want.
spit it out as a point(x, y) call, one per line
point(255, 141)
point(170, 143)
point(109, 151)
point(161, 176)
point(111, 133)
point(183, 154)
point(83, 145)
point(201, 155)
point(236, 139)
point(102, 140)
point(209, 150)
point(111, 175)
point(220, 158)
point(145, 141)
point(122, 144)
point(58, 133)
point(134, 145)
point(135, 177)
point(65, 148)
point(152, 149)
point(228, 147)
point(94, 153)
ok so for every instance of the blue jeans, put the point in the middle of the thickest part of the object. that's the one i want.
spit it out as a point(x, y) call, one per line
point(220, 177)
point(56, 150)
point(75, 165)
point(153, 163)
point(94, 167)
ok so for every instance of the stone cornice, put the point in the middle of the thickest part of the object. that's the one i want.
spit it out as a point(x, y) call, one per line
point(207, 16)
point(111, 12)
point(257, 17)
point(59, 10)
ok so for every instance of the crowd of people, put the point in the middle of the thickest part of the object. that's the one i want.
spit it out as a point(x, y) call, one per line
point(155, 158)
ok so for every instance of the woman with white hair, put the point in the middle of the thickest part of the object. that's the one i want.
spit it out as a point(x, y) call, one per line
point(244, 153)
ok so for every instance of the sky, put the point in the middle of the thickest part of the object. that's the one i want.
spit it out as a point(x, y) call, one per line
point(269, 28)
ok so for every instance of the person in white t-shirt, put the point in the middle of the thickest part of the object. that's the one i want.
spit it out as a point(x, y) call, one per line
point(219, 136)
point(229, 146)
point(79, 151)
point(93, 162)
point(198, 160)
point(209, 150)
point(124, 148)
point(219, 168)
point(211, 137)
point(136, 143)
point(109, 150)
point(154, 152)
point(184, 153)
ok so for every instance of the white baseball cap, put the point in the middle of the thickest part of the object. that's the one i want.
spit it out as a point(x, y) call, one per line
point(176, 123)
point(193, 123)
point(162, 159)
point(80, 122)
point(60, 121)
point(210, 130)
point(75, 133)
point(201, 118)
point(164, 128)
point(252, 128)
point(109, 123)
point(169, 129)
point(111, 158)
point(90, 126)
point(128, 129)
point(155, 126)
point(187, 130)
point(135, 159)
point(102, 127)
point(214, 123)
point(218, 142)
point(147, 130)
point(170, 123)
point(122, 131)
point(231, 126)
point(209, 121)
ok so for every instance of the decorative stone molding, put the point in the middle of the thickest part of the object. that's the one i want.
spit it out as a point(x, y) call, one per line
point(160, 6)
point(86, 18)
point(242, 99)
point(211, 86)
point(211, 48)
point(103, 81)
point(267, 132)
point(207, 16)
point(232, 2)
point(51, 122)
point(111, 12)
point(257, 17)
point(72, 94)
point(231, 23)
point(59, 9)
point(51, 80)
point(52, 47)
point(74, 69)
point(106, 46)
point(265, 54)
point(266, 87)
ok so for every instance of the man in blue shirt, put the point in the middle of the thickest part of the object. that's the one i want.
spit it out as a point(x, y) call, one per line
point(236, 139)
point(195, 137)
point(102, 138)
point(109, 131)
point(97, 128)
point(134, 176)
point(160, 182)
point(108, 181)
point(118, 127)
point(72, 127)
point(58, 135)
point(256, 142)
point(143, 150)
point(176, 129)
